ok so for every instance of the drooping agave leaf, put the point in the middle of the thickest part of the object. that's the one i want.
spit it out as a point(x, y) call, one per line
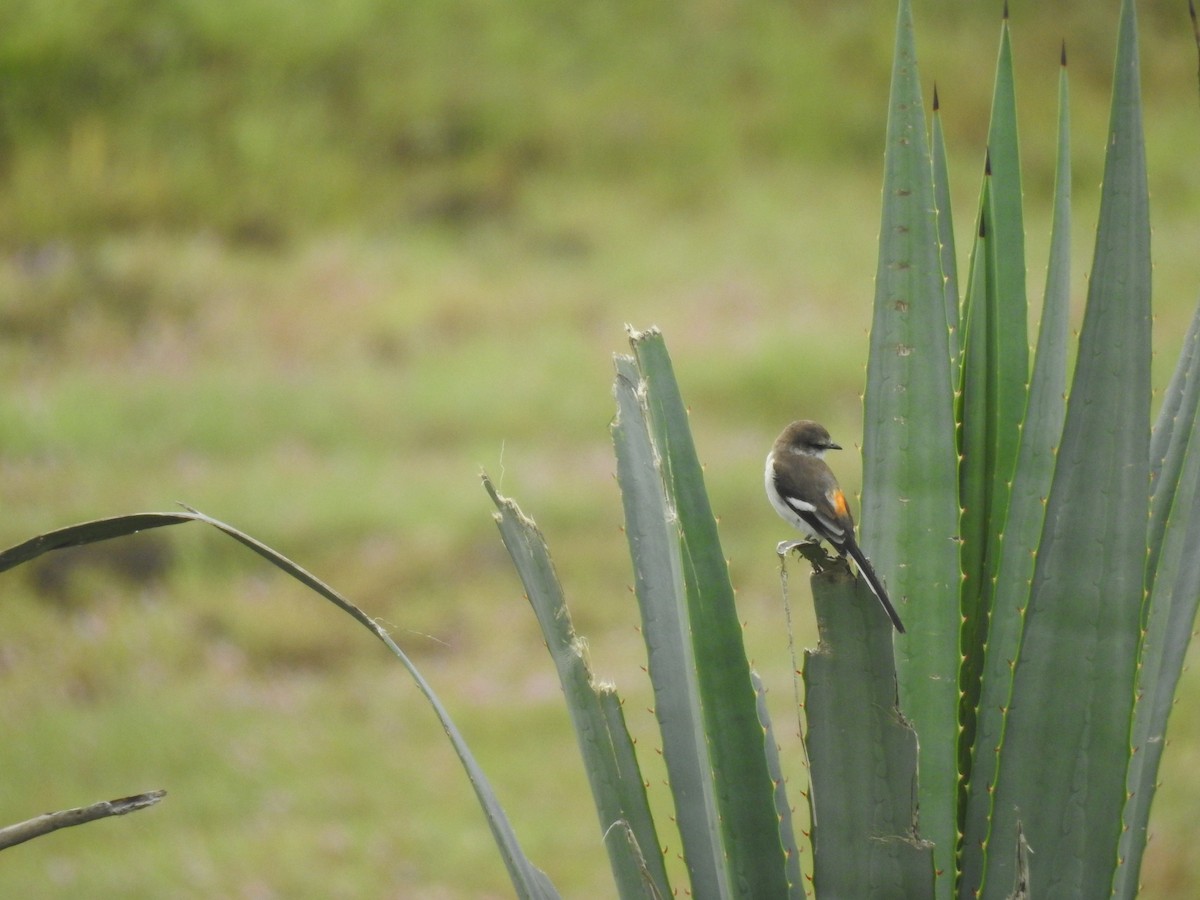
point(527, 879)
point(1066, 744)
point(48, 823)
point(910, 468)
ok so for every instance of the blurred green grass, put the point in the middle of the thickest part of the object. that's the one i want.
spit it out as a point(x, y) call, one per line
point(310, 271)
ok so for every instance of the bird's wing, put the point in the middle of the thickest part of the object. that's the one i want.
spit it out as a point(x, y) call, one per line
point(813, 493)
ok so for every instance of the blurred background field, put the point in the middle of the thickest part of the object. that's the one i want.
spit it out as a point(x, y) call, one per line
point(310, 268)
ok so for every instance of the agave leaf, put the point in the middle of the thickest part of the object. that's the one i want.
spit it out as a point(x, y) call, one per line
point(615, 778)
point(945, 222)
point(1011, 335)
point(1040, 435)
point(1074, 677)
point(1173, 577)
point(995, 369)
point(1169, 442)
point(744, 790)
point(783, 809)
point(634, 800)
point(862, 753)
point(976, 409)
point(910, 468)
point(651, 527)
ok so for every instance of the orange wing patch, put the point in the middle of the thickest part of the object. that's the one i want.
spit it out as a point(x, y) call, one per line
point(838, 499)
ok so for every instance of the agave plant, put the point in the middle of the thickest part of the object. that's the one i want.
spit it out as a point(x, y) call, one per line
point(1045, 551)
point(1048, 616)
point(1048, 622)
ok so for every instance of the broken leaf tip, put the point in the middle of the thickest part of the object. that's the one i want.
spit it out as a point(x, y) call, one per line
point(635, 335)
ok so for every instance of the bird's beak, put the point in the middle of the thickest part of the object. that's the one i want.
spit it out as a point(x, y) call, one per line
point(833, 446)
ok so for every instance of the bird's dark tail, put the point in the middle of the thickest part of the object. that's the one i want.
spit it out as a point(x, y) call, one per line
point(864, 566)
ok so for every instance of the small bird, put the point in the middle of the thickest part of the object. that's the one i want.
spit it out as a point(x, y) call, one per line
point(803, 490)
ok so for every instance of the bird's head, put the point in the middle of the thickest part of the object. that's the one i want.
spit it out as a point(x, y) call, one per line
point(807, 437)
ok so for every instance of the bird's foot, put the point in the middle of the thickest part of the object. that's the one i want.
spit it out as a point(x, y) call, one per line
point(786, 547)
point(810, 549)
